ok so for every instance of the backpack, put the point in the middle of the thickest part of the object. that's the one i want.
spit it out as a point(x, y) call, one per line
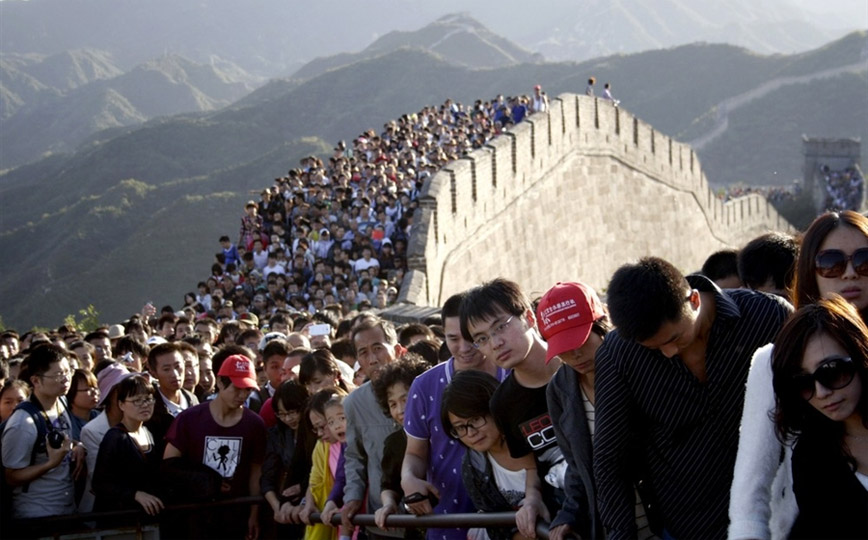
point(35, 412)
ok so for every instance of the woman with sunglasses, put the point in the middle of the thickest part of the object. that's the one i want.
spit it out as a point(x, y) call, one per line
point(833, 259)
point(820, 366)
point(495, 481)
point(126, 473)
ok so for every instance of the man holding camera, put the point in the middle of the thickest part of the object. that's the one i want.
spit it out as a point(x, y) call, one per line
point(39, 454)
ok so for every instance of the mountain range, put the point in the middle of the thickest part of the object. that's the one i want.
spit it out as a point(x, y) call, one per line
point(133, 215)
point(51, 104)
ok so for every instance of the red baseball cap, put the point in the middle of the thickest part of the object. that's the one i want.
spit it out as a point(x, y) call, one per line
point(565, 315)
point(240, 370)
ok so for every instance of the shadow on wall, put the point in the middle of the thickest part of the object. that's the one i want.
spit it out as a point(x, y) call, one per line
point(571, 194)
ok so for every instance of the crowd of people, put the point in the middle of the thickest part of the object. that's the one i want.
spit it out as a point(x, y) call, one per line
point(281, 380)
point(845, 190)
point(750, 375)
point(772, 193)
point(335, 232)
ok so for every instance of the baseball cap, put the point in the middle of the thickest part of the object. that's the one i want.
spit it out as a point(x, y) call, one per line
point(566, 313)
point(240, 370)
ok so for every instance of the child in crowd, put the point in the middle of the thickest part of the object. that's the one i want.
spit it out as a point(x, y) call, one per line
point(325, 458)
point(337, 424)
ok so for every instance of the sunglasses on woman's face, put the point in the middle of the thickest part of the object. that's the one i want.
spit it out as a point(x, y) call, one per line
point(833, 373)
point(832, 263)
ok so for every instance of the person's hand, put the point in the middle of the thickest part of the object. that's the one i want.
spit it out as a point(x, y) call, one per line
point(386, 510)
point(79, 458)
point(413, 485)
point(295, 514)
point(152, 505)
point(351, 508)
point(561, 532)
point(305, 513)
point(283, 513)
point(252, 525)
point(56, 455)
point(328, 511)
point(291, 491)
point(526, 516)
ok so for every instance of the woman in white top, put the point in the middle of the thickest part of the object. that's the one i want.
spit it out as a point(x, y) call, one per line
point(495, 481)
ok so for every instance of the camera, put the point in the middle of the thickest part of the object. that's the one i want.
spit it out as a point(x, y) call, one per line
point(55, 439)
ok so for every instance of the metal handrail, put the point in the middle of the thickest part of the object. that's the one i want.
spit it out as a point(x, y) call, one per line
point(469, 520)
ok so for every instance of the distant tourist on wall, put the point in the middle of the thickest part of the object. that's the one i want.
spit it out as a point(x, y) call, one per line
point(607, 94)
point(540, 101)
point(589, 91)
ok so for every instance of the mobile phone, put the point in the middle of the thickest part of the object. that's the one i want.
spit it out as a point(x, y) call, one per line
point(320, 329)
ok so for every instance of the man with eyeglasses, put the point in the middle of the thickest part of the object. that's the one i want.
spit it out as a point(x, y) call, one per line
point(42, 470)
point(500, 321)
point(432, 460)
point(670, 387)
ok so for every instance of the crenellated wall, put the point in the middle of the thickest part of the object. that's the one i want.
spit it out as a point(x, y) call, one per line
point(567, 195)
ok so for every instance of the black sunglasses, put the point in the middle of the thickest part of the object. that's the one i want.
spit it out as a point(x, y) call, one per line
point(832, 263)
point(833, 373)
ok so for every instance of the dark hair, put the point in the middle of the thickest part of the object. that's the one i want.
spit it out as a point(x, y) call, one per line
point(769, 257)
point(292, 395)
point(452, 306)
point(403, 370)
point(15, 383)
point(79, 377)
point(411, 330)
point(96, 334)
point(40, 359)
point(319, 361)
point(645, 295)
point(721, 264)
point(247, 334)
point(483, 302)
point(134, 385)
point(838, 319)
point(228, 328)
point(225, 352)
point(317, 401)
point(275, 347)
point(343, 347)
point(224, 238)
point(805, 288)
point(160, 350)
point(130, 344)
point(467, 396)
point(428, 350)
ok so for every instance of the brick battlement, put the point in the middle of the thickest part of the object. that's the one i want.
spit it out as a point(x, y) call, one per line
point(571, 194)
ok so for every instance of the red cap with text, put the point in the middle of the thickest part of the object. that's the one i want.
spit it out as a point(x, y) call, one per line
point(565, 315)
point(240, 370)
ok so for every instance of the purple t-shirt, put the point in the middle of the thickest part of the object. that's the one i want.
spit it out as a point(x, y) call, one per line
point(422, 421)
point(228, 450)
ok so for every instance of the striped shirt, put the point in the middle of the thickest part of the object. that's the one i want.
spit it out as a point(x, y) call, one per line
point(652, 410)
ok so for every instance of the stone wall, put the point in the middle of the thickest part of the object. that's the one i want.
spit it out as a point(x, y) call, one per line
point(571, 194)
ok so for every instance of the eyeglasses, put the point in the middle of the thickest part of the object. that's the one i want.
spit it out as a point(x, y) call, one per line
point(89, 389)
point(833, 373)
point(483, 339)
point(832, 263)
point(287, 415)
point(142, 402)
point(62, 376)
point(460, 430)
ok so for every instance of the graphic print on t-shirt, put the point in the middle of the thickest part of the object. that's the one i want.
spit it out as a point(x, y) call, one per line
point(222, 454)
point(539, 432)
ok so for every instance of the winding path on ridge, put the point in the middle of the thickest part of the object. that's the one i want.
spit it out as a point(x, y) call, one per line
point(727, 106)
